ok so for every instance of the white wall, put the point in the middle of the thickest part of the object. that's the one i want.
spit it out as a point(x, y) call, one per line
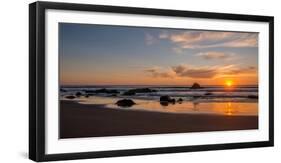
point(14, 79)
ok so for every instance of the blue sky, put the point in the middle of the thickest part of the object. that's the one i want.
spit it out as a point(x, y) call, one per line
point(102, 54)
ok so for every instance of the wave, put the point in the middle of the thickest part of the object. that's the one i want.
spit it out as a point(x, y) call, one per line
point(209, 92)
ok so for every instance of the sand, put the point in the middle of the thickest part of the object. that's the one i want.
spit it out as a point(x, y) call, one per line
point(82, 120)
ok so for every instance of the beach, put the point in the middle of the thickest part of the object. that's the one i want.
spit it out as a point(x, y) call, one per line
point(97, 120)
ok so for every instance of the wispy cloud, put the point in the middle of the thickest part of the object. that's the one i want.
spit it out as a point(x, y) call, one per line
point(189, 71)
point(157, 72)
point(215, 55)
point(163, 35)
point(211, 39)
point(195, 72)
point(234, 70)
point(178, 50)
point(149, 39)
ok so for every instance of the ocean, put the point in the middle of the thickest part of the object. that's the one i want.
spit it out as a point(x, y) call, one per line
point(236, 100)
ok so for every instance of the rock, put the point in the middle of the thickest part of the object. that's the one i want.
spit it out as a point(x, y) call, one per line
point(106, 91)
point(132, 92)
point(70, 97)
point(89, 91)
point(180, 100)
point(253, 96)
point(103, 90)
point(63, 90)
point(129, 93)
point(164, 103)
point(196, 96)
point(125, 103)
point(195, 86)
point(78, 94)
point(208, 93)
point(167, 99)
point(143, 90)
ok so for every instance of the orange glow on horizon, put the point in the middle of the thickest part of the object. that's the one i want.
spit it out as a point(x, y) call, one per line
point(229, 83)
point(144, 79)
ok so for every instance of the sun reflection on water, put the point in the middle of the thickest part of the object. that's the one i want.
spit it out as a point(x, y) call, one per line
point(197, 107)
point(230, 110)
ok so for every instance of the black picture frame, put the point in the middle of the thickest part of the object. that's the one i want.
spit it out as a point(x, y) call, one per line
point(37, 80)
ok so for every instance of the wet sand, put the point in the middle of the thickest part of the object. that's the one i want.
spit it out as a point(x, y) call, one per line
point(83, 120)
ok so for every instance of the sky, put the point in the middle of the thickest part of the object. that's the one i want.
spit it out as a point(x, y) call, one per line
point(121, 55)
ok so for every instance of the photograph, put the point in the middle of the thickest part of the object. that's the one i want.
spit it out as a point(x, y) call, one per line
point(130, 80)
point(112, 81)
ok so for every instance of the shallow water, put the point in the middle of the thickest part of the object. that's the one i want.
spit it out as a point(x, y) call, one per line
point(221, 107)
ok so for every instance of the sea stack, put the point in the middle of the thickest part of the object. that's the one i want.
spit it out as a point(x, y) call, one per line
point(195, 86)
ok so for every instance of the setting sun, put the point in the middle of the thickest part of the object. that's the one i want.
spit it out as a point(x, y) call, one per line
point(229, 83)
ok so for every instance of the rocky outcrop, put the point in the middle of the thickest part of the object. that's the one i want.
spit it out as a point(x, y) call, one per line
point(103, 90)
point(78, 94)
point(132, 92)
point(70, 97)
point(253, 96)
point(208, 93)
point(125, 103)
point(195, 86)
point(180, 100)
point(167, 99)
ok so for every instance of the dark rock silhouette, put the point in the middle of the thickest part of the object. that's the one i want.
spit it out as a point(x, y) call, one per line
point(164, 103)
point(253, 96)
point(196, 96)
point(167, 99)
point(208, 93)
point(125, 103)
point(180, 100)
point(89, 91)
point(70, 97)
point(78, 94)
point(103, 90)
point(63, 90)
point(132, 92)
point(129, 93)
point(195, 86)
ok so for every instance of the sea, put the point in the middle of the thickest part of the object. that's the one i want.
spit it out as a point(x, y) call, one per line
point(222, 100)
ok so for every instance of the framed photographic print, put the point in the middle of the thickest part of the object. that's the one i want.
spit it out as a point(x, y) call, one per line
point(117, 81)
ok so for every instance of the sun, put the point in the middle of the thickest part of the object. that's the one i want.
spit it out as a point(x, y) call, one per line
point(229, 83)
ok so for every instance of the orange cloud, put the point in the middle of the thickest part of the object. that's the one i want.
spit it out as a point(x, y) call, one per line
point(208, 72)
point(156, 72)
point(195, 72)
point(215, 55)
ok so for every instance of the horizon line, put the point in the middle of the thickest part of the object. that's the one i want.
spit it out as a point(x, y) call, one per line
point(65, 85)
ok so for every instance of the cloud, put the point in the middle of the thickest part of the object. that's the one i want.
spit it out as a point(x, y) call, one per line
point(192, 72)
point(215, 55)
point(240, 70)
point(149, 39)
point(163, 35)
point(211, 39)
point(206, 72)
point(177, 50)
point(156, 72)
